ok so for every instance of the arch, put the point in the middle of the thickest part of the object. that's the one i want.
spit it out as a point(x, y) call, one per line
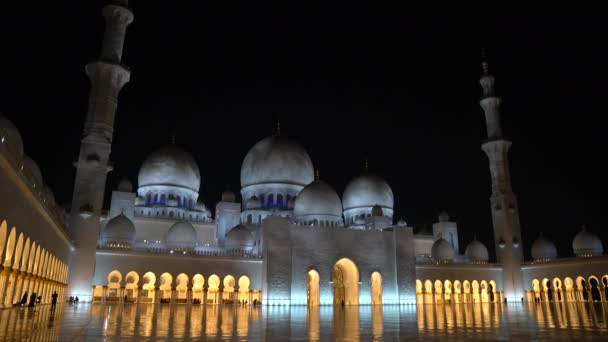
point(214, 288)
point(30, 262)
point(131, 279)
point(18, 252)
point(42, 264)
point(457, 291)
point(114, 280)
point(604, 285)
point(557, 289)
point(447, 291)
point(270, 201)
point(228, 289)
point(244, 283)
point(198, 281)
point(166, 279)
point(483, 286)
point(346, 282)
point(475, 291)
point(594, 289)
point(3, 228)
point(312, 288)
point(376, 281)
point(182, 281)
point(148, 288)
point(492, 291)
point(10, 247)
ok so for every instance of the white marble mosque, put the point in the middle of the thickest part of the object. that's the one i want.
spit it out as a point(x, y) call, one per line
point(290, 241)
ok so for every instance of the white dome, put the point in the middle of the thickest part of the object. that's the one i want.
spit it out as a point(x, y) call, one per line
point(318, 198)
point(442, 251)
point(125, 185)
point(181, 235)
point(253, 203)
point(239, 237)
point(170, 166)
point(477, 252)
point(119, 229)
point(543, 249)
point(377, 211)
point(33, 169)
point(276, 159)
point(228, 196)
point(11, 136)
point(586, 243)
point(367, 191)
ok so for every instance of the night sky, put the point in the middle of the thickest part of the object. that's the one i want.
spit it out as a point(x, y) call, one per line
point(399, 86)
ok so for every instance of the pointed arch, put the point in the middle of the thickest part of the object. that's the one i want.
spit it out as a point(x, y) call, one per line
point(376, 281)
point(312, 288)
point(10, 247)
point(3, 238)
point(346, 282)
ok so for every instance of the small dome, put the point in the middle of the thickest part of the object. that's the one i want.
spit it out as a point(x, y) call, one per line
point(586, 243)
point(125, 185)
point(239, 237)
point(253, 203)
point(139, 201)
point(33, 169)
point(543, 249)
point(367, 191)
point(170, 166)
point(318, 198)
point(120, 229)
point(444, 217)
point(200, 206)
point(276, 159)
point(228, 196)
point(477, 252)
point(402, 223)
point(442, 251)
point(181, 236)
point(11, 136)
point(377, 211)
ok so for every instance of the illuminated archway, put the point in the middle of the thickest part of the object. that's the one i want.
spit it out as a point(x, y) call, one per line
point(457, 291)
point(569, 284)
point(182, 288)
point(114, 279)
point(228, 290)
point(438, 291)
point(12, 277)
point(581, 289)
point(594, 289)
point(214, 288)
point(244, 283)
point(557, 289)
point(312, 288)
point(484, 291)
point(475, 290)
point(547, 293)
point(419, 293)
point(3, 228)
point(447, 291)
point(149, 287)
point(376, 281)
point(132, 279)
point(466, 286)
point(346, 282)
point(166, 280)
point(10, 247)
point(198, 281)
point(605, 286)
point(492, 291)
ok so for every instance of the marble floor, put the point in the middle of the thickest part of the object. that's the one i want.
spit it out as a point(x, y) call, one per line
point(153, 322)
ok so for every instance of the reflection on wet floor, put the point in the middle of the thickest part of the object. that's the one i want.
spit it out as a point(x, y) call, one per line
point(366, 323)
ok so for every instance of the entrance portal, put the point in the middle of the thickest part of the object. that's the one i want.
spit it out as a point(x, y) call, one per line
point(312, 288)
point(346, 283)
point(376, 288)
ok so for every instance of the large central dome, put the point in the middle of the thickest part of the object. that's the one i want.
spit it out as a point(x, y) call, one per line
point(169, 165)
point(276, 160)
point(367, 191)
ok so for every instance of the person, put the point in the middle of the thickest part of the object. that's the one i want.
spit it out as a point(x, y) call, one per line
point(342, 302)
point(126, 298)
point(54, 300)
point(32, 299)
point(24, 299)
point(76, 299)
point(71, 299)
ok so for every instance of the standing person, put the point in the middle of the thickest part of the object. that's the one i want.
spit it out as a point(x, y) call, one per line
point(54, 300)
point(24, 299)
point(32, 300)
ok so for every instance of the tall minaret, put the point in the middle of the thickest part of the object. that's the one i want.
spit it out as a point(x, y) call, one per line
point(107, 76)
point(505, 215)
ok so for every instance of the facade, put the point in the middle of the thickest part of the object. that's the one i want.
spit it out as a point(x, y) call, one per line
point(290, 241)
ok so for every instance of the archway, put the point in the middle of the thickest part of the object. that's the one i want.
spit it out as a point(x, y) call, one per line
point(492, 291)
point(149, 288)
point(419, 295)
point(3, 228)
point(198, 281)
point(581, 288)
point(228, 290)
point(484, 291)
point(475, 289)
point(114, 279)
point(131, 287)
point(428, 292)
point(166, 280)
point(438, 292)
point(605, 286)
point(214, 289)
point(312, 288)
point(244, 283)
point(346, 282)
point(557, 289)
point(594, 287)
point(466, 286)
point(569, 284)
point(376, 281)
point(447, 291)
point(182, 288)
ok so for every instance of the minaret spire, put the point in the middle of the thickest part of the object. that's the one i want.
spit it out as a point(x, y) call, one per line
point(107, 76)
point(505, 215)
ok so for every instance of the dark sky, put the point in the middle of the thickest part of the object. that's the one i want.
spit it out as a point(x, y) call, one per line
point(396, 84)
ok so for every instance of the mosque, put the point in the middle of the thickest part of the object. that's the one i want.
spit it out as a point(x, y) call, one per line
point(290, 241)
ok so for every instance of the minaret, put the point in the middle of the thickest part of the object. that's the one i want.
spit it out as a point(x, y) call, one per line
point(505, 215)
point(107, 76)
